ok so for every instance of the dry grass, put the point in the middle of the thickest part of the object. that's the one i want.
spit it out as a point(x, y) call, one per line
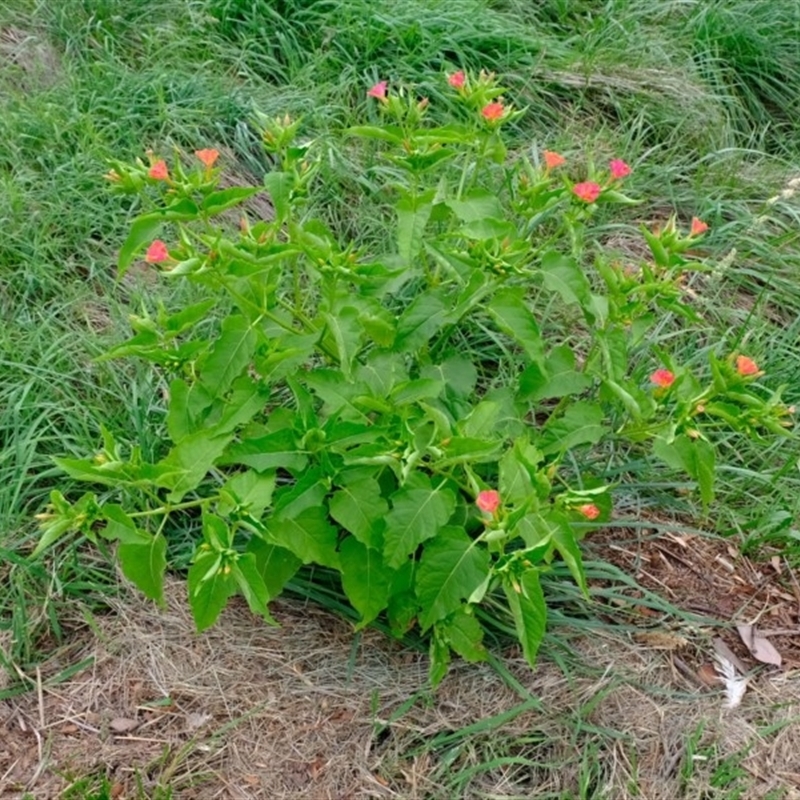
point(306, 711)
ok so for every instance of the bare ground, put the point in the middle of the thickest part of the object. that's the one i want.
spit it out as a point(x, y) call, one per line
point(307, 711)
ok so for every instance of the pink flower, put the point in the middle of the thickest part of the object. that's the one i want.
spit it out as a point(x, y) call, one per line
point(553, 160)
point(159, 171)
point(619, 169)
point(493, 111)
point(488, 501)
point(698, 227)
point(378, 91)
point(590, 511)
point(457, 79)
point(746, 366)
point(156, 253)
point(663, 378)
point(587, 191)
point(208, 157)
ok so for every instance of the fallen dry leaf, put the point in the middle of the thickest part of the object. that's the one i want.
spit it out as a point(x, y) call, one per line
point(759, 646)
point(123, 724)
point(660, 640)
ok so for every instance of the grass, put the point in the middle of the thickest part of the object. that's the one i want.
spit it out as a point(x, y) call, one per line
point(702, 98)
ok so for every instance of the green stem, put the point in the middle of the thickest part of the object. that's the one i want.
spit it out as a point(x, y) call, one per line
point(168, 509)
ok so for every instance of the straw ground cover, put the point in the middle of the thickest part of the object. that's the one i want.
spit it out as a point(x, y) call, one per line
point(700, 99)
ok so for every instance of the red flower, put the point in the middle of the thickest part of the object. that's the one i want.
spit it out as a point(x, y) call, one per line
point(698, 227)
point(156, 253)
point(746, 366)
point(457, 79)
point(208, 157)
point(159, 171)
point(663, 378)
point(378, 91)
point(488, 501)
point(588, 191)
point(619, 169)
point(590, 511)
point(493, 111)
point(553, 160)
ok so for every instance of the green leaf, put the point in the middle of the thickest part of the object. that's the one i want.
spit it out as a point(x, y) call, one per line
point(366, 580)
point(229, 356)
point(268, 452)
point(186, 406)
point(308, 491)
point(439, 654)
point(413, 391)
point(112, 473)
point(418, 511)
point(529, 611)
point(251, 584)
point(337, 392)
point(345, 330)
point(287, 353)
point(143, 230)
point(488, 228)
point(560, 531)
point(216, 202)
point(144, 565)
point(582, 423)
point(482, 420)
point(464, 634)
point(558, 377)
point(452, 566)
point(513, 317)
point(458, 373)
point(277, 565)
point(563, 274)
point(402, 608)
point(189, 316)
point(280, 186)
point(515, 484)
point(419, 322)
point(696, 456)
point(249, 490)
point(121, 528)
point(463, 449)
point(360, 509)
point(209, 588)
point(413, 214)
point(189, 462)
point(386, 133)
point(477, 205)
point(308, 535)
point(247, 398)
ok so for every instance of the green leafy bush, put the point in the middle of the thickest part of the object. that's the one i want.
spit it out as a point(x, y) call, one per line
point(400, 416)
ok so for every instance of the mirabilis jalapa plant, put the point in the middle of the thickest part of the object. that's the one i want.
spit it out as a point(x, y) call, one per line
point(338, 415)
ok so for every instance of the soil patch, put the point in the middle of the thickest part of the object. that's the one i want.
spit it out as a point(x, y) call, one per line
point(308, 711)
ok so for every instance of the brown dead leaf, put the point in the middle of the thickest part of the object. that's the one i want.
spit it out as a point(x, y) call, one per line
point(660, 640)
point(123, 724)
point(759, 646)
point(708, 675)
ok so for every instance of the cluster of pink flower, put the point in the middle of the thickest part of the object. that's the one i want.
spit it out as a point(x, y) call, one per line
point(489, 501)
point(746, 367)
point(157, 252)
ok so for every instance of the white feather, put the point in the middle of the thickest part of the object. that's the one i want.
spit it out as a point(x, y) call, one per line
point(735, 686)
